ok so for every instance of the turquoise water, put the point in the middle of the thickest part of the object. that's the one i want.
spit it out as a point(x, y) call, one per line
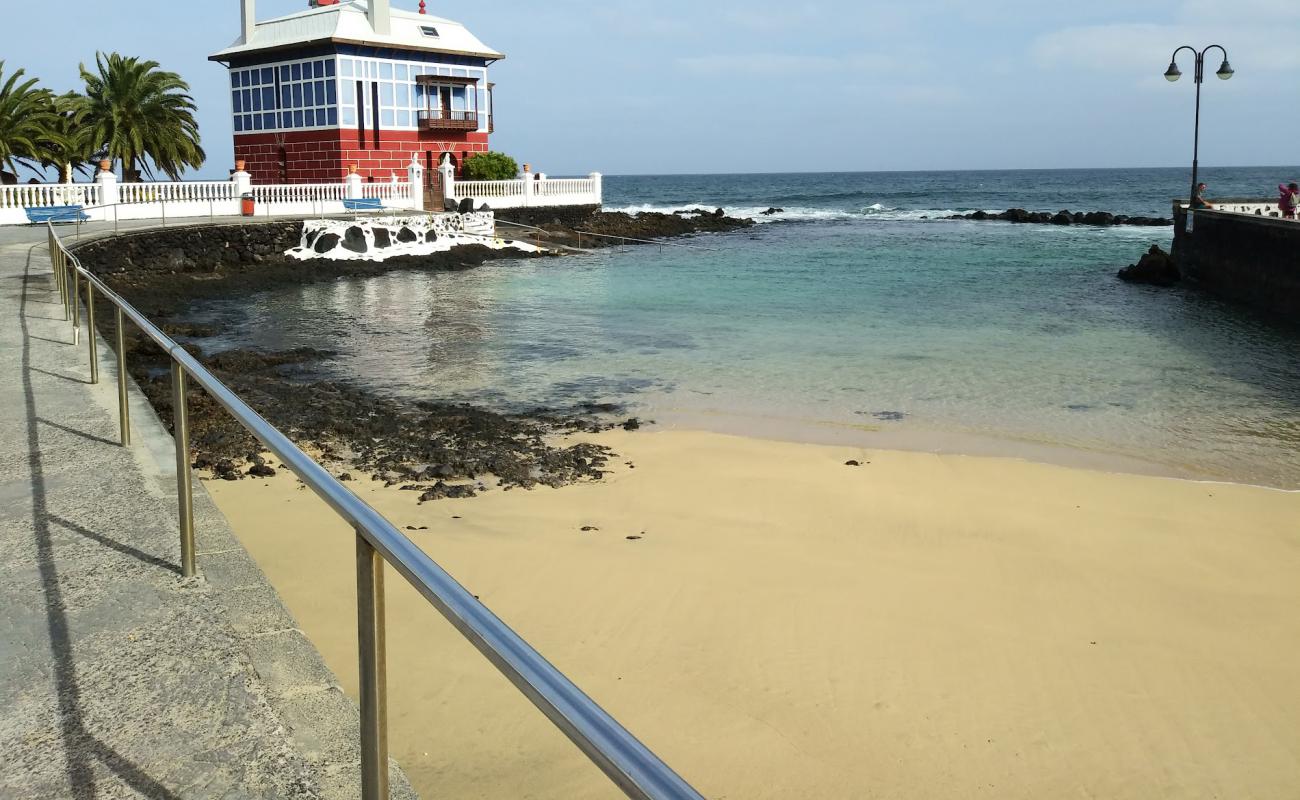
point(852, 314)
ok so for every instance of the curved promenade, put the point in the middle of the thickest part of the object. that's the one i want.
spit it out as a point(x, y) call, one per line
point(119, 678)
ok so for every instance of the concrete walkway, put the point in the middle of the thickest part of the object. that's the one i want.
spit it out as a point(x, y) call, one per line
point(118, 678)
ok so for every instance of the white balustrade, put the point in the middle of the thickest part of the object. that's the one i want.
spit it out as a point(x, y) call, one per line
point(48, 194)
point(527, 192)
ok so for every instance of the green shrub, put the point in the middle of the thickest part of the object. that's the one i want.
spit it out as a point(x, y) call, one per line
point(490, 167)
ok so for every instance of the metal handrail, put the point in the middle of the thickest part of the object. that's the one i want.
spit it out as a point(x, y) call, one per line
point(628, 763)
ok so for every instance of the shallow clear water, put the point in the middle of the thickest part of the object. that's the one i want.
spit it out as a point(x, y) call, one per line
point(845, 315)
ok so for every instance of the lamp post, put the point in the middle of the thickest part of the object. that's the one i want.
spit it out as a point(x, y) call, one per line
point(1173, 73)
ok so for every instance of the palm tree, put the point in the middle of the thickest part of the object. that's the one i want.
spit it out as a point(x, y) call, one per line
point(65, 145)
point(141, 114)
point(26, 114)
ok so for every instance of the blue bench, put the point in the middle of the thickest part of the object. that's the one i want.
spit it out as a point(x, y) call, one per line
point(364, 204)
point(39, 214)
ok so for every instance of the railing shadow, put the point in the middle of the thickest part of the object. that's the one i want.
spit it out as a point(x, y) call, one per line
point(80, 746)
point(92, 437)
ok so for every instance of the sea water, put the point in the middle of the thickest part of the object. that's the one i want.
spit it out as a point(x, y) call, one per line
point(857, 315)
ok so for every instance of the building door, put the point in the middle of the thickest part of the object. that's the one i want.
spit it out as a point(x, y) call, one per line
point(433, 190)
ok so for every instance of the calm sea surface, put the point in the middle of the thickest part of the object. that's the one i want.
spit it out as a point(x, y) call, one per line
point(850, 315)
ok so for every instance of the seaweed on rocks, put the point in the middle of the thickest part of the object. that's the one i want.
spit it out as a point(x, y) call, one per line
point(350, 428)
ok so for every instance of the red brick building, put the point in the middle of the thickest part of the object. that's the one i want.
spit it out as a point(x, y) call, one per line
point(356, 83)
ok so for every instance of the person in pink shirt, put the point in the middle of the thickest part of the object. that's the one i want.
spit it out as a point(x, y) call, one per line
point(1288, 200)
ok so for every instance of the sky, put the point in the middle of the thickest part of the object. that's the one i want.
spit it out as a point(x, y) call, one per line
point(721, 86)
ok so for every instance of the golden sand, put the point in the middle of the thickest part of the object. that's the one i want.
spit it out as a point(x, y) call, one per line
point(921, 626)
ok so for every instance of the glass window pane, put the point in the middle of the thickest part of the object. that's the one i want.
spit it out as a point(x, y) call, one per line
point(237, 97)
point(386, 118)
point(286, 97)
point(248, 122)
point(329, 68)
point(331, 94)
point(297, 119)
point(268, 97)
point(349, 92)
point(268, 121)
point(284, 72)
point(239, 123)
point(345, 67)
point(268, 76)
point(350, 117)
point(333, 116)
point(234, 80)
point(403, 72)
point(320, 93)
point(318, 69)
point(257, 99)
point(386, 70)
point(403, 95)
point(386, 94)
point(403, 119)
point(308, 96)
point(257, 122)
point(297, 71)
point(297, 95)
point(286, 119)
point(310, 116)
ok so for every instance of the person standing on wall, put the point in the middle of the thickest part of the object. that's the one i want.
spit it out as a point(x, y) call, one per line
point(1288, 200)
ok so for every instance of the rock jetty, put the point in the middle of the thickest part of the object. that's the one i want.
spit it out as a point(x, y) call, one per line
point(1065, 217)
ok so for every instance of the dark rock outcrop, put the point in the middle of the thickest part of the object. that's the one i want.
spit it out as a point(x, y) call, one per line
point(1155, 268)
point(1064, 217)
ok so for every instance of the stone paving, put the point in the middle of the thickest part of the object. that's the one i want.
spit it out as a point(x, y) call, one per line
point(119, 678)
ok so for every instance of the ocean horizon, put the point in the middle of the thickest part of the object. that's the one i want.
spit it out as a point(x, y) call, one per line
point(857, 313)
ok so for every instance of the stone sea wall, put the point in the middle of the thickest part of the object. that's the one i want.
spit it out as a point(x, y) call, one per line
point(381, 238)
point(1249, 259)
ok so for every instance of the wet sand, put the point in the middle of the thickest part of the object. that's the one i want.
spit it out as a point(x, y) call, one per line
point(788, 626)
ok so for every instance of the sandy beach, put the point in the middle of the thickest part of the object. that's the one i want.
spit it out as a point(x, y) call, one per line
point(788, 626)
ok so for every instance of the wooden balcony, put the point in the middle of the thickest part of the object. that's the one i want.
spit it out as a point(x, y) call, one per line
point(434, 120)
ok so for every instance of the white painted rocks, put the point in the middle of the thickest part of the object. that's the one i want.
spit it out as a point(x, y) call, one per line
point(379, 238)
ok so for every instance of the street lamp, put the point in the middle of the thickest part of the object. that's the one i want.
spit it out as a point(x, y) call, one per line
point(1173, 73)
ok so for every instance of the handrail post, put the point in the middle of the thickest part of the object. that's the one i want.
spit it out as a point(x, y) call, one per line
point(90, 332)
point(184, 490)
point(123, 409)
point(74, 298)
point(373, 686)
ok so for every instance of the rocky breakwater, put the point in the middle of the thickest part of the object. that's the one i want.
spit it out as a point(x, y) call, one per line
point(617, 227)
point(1064, 217)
